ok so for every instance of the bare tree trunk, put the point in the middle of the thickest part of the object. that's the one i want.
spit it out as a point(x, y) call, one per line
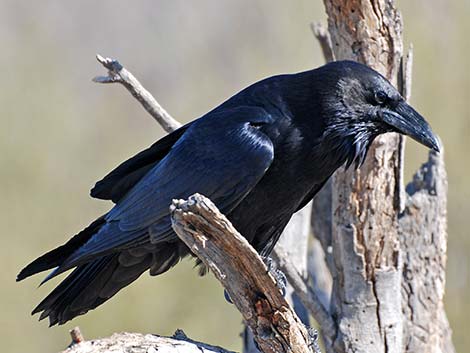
point(373, 252)
point(365, 241)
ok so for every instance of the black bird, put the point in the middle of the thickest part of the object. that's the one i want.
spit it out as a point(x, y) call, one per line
point(271, 146)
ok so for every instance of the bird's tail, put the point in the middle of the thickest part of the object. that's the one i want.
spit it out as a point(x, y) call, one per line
point(92, 283)
point(88, 286)
point(57, 256)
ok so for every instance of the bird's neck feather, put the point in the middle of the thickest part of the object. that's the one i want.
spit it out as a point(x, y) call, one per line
point(343, 139)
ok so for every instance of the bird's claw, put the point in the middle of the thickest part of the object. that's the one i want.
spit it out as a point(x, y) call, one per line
point(313, 339)
point(278, 275)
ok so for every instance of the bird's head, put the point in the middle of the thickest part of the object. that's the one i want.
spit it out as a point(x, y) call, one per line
point(364, 105)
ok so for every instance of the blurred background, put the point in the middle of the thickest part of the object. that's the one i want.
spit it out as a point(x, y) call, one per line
point(61, 133)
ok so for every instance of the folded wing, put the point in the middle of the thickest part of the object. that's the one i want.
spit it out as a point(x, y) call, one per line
point(222, 156)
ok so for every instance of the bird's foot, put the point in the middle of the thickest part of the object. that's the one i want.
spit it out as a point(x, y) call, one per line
point(313, 339)
point(278, 275)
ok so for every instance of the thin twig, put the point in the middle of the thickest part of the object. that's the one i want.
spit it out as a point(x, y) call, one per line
point(76, 335)
point(308, 297)
point(323, 37)
point(118, 74)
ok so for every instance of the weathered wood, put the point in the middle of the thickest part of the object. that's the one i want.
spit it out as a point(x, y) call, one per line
point(140, 343)
point(293, 243)
point(76, 335)
point(240, 269)
point(374, 252)
point(295, 237)
point(323, 37)
point(319, 273)
point(322, 213)
point(404, 86)
point(423, 236)
point(368, 31)
point(365, 240)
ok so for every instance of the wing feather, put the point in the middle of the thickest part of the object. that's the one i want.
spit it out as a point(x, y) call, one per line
point(222, 156)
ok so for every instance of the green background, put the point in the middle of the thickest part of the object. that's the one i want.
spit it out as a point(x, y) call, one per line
point(61, 132)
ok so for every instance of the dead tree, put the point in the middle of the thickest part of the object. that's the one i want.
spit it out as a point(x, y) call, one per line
point(386, 296)
point(374, 279)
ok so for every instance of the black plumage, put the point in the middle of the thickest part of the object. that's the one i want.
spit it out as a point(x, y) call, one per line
point(260, 156)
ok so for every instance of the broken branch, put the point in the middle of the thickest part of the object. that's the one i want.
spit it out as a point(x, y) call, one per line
point(211, 236)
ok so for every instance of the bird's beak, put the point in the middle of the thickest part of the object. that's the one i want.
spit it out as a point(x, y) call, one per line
point(408, 121)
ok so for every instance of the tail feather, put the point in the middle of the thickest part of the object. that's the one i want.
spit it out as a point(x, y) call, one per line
point(88, 286)
point(61, 294)
point(57, 256)
point(101, 276)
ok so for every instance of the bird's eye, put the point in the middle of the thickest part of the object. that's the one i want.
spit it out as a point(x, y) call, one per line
point(381, 97)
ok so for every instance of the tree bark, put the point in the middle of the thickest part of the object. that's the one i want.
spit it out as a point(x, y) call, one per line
point(365, 240)
point(211, 236)
point(373, 250)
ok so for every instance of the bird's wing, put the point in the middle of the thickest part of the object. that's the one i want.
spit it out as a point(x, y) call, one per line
point(222, 156)
point(125, 176)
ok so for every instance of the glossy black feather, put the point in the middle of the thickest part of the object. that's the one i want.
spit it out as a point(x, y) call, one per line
point(58, 255)
point(120, 180)
point(184, 171)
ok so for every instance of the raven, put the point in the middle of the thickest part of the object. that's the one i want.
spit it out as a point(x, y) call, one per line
point(271, 146)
